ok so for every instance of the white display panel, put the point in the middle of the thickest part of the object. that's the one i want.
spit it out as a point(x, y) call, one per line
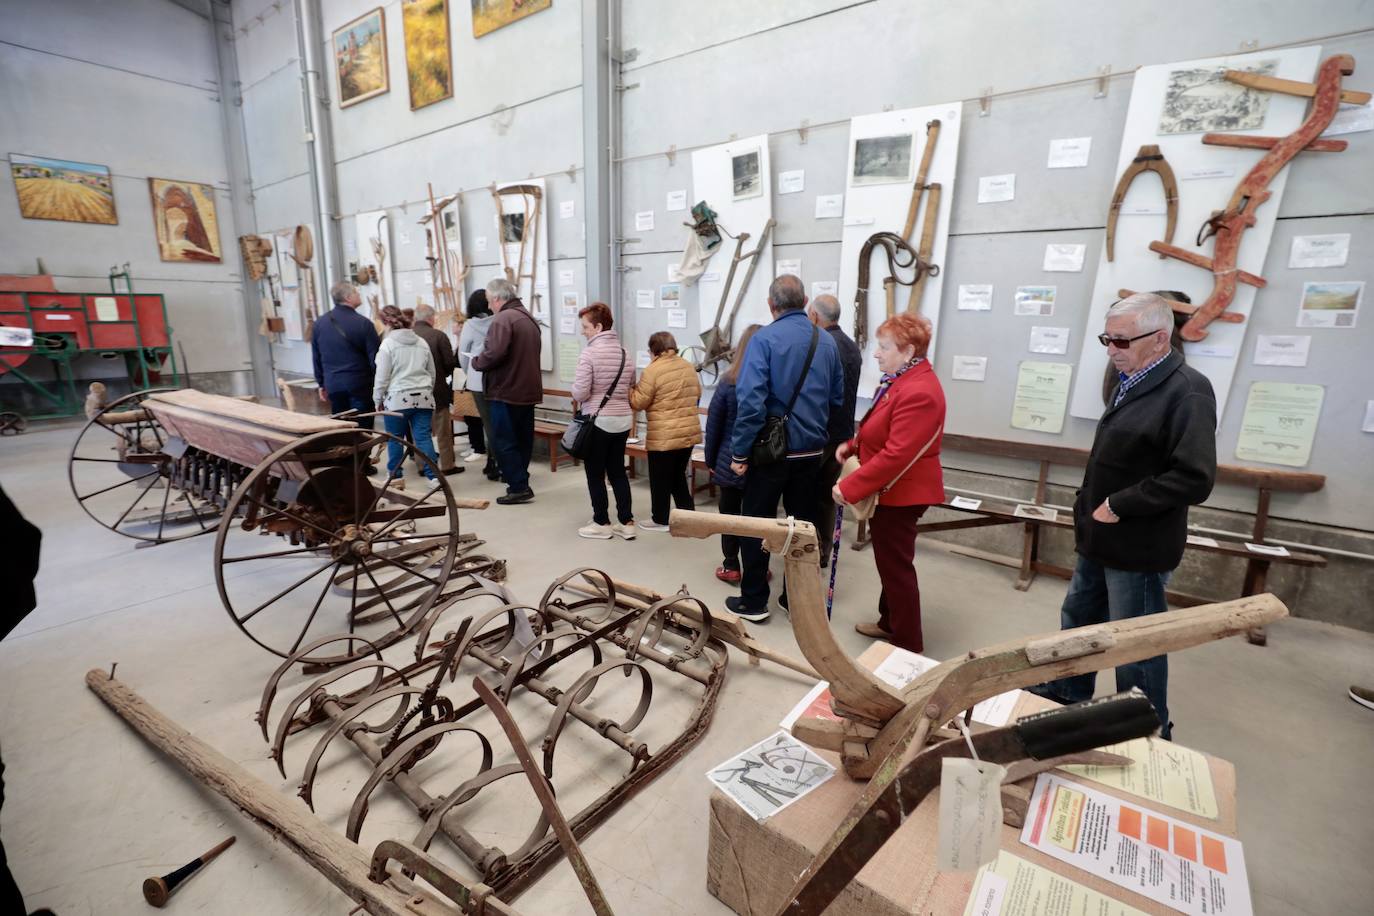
point(375, 226)
point(713, 181)
point(534, 261)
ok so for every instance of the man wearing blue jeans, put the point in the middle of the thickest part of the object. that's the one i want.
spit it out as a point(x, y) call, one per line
point(1153, 456)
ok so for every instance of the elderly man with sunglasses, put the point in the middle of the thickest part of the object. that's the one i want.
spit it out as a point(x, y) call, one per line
point(1153, 456)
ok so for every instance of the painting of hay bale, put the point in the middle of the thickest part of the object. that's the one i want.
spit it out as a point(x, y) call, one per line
point(77, 192)
point(428, 67)
point(185, 221)
point(490, 15)
point(360, 58)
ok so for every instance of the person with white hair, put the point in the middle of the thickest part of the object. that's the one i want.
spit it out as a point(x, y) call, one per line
point(513, 384)
point(343, 349)
point(1153, 456)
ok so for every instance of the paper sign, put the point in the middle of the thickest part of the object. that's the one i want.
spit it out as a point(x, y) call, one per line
point(571, 301)
point(1188, 869)
point(1195, 174)
point(1042, 394)
point(1282, 350)
point(568, 352)
point(1162, 771)
point(1013, 886)
point(677, 318)
point(675, 200)
point(1043, 513)
point(1049, 340)
point(1064, 257)
point(1071, 153)
point(975, 297)
point(1198, 540)
point(1319, 251)
point(791, 182)
point(565, 278)
point(479, 243)
point(565, 325)
point(1330, 305)
point(669, 294)
point(1368, 425)
point(996, 188)
point(566, 209)
point(969, 368)
point(404, 237)
point(407, 285)
point(1350, 119)
point(106, 308)
point(964, 502)
point(644, 298)
point(674, 273)
point(1269, 550)
point(1035, 300)
point(1280, 423)
point(351, 247)
point(1215, 351)
point(901, 667)
point(642, 358)
point(970, 813)
point(644, 221)
point(829, 206)
point(815, 705)
point(1150, 209)
point(860, 221)
point(787, 266)
point(771, 775)
point(824, 288)
point(711, 276)
point(22, 337)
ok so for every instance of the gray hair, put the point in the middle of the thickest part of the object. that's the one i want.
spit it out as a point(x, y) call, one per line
point(827, 307)
point(1151, 312)
point(499, 289)
point(424, 313)
point(341, 291)
point(786, 293)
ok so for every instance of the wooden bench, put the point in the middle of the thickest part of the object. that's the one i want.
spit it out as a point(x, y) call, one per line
point(636, 450)
point(993, 510)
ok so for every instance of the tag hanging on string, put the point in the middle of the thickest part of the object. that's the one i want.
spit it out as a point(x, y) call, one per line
point(970, 813)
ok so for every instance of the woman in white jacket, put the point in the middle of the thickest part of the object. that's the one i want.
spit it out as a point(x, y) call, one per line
point(470, 343)
point(404, 386)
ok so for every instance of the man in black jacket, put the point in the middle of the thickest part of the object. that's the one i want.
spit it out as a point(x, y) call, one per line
point(343, 348)
point(441, 349)
point(824, 312)
point(1153, 456)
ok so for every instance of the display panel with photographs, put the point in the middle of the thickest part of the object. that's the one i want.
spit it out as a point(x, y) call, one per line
point(882, 160)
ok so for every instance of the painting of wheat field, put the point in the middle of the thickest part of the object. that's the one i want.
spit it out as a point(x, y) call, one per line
point(77, 192)
point(428, 67)
point(185, 221)
point(490, 15)
point(360, 58)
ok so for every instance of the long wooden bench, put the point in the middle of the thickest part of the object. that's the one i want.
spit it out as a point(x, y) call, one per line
point(1035, 514)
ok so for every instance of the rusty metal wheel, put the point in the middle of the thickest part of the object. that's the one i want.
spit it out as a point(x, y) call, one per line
point(349, 552)
point(125, 475)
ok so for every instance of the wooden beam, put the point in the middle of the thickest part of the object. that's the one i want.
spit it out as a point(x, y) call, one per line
point(1291, 87)
point(1244, 141)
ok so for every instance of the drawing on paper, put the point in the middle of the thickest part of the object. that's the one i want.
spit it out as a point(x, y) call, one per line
point(490, 15)
point(512, 227)
point(184, 220)
point(428, 67)
point(1203, 99)
point(76, 192)
point(745, 167)
point(771, 775)
point(670, 293)
point(360, 58)
point(1034, 300)
point(882, 160)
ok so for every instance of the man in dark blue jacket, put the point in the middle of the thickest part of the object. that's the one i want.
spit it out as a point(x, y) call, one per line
point(771, 375)
point(343, 347)
point(824, 312)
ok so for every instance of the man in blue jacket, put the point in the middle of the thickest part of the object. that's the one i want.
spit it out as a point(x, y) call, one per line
point(772, 374)
point(343, 347)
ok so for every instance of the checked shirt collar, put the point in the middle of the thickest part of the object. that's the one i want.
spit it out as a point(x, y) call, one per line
point(1130, 381)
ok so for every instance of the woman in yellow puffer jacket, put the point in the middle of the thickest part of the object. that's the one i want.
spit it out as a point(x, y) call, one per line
point(668, 392)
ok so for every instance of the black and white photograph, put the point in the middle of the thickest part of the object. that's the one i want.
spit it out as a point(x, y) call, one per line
point(512, 227)
point(1204, 100)
point(882, 160)
point(745, 169)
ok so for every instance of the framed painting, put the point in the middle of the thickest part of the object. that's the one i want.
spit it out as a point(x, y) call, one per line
point(429, 68)
point(490, 15)
point(360, 58)
point(882, 160)
point(76, 192)
point(185, 221)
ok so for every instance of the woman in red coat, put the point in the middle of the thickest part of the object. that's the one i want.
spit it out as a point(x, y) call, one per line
point(898, 445)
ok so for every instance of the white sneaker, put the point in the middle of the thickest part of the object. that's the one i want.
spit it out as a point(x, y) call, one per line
point(474, 456)
point(652, 525)
point(626, 531)
point(594, 531)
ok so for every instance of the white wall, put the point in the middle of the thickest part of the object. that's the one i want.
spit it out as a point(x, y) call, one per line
point(132, 86)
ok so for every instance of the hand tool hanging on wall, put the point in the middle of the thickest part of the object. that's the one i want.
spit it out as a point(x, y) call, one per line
point(927, 244)
point(532, 200)
point(157, 891)
point(701, 243)
point(303, 252)
point(717, 340)
point(1147, 159)
point(379, 274)
point(894, 246)
point(1229, 225)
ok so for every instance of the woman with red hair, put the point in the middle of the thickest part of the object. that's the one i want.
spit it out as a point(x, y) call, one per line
point(898, 447)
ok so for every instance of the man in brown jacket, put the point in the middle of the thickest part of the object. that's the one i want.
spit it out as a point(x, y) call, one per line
point(441, 348)
point(513, 385)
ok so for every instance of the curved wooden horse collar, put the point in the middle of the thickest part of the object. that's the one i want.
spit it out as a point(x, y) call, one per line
point(1147, 159)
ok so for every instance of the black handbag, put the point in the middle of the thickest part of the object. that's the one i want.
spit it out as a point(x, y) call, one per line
point(771, 445)
point(579, 431)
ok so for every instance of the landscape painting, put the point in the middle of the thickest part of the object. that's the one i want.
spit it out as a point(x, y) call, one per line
point(428, 65)
point(77, 192)
point(185, 221)
point(490, 15)
point(360, 58)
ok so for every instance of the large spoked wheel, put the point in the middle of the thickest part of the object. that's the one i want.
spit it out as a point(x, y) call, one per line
point(351, 552)
point(708, 368)
point(123, 476)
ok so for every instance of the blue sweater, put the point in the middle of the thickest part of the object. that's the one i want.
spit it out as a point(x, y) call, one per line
point(343, 347)
point(772, 367)
point(720, 424)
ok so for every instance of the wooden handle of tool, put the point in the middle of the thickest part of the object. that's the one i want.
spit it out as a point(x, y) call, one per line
point(470, 502)
point(158, 890)
point(683, 523)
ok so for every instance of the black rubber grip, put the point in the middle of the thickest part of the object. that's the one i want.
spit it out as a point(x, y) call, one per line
point(1087, 725)
point(172, 879)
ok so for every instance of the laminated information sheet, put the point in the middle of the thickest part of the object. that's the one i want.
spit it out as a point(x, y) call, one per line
point(1162, 772)
point(1183, 867)
point(1012, 886)
point(771, 775)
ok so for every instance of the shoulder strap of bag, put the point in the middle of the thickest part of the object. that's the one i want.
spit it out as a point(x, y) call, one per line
point(611, 390)
point(333, 323)
point(925, 448)
point(806, 367)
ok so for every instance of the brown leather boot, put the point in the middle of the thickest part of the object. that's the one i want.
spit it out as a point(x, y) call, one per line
point(872, 631)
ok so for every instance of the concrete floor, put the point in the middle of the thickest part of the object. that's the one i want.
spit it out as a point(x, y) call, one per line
point(91, 809)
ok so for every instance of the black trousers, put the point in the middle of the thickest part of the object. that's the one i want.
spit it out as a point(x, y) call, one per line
point(824, 519)
point(476, 438)
point(512, 439)
point(668, 481)
point(793, 481)
point(605, 460)
point(730, 501)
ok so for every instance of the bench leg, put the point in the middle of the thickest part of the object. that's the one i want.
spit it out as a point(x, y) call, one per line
point(1030, 552)
point(1256, 575)
point(861, 538)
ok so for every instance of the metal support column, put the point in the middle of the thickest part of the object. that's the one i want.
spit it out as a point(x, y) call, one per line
point(596, 150)
point(320, 144)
